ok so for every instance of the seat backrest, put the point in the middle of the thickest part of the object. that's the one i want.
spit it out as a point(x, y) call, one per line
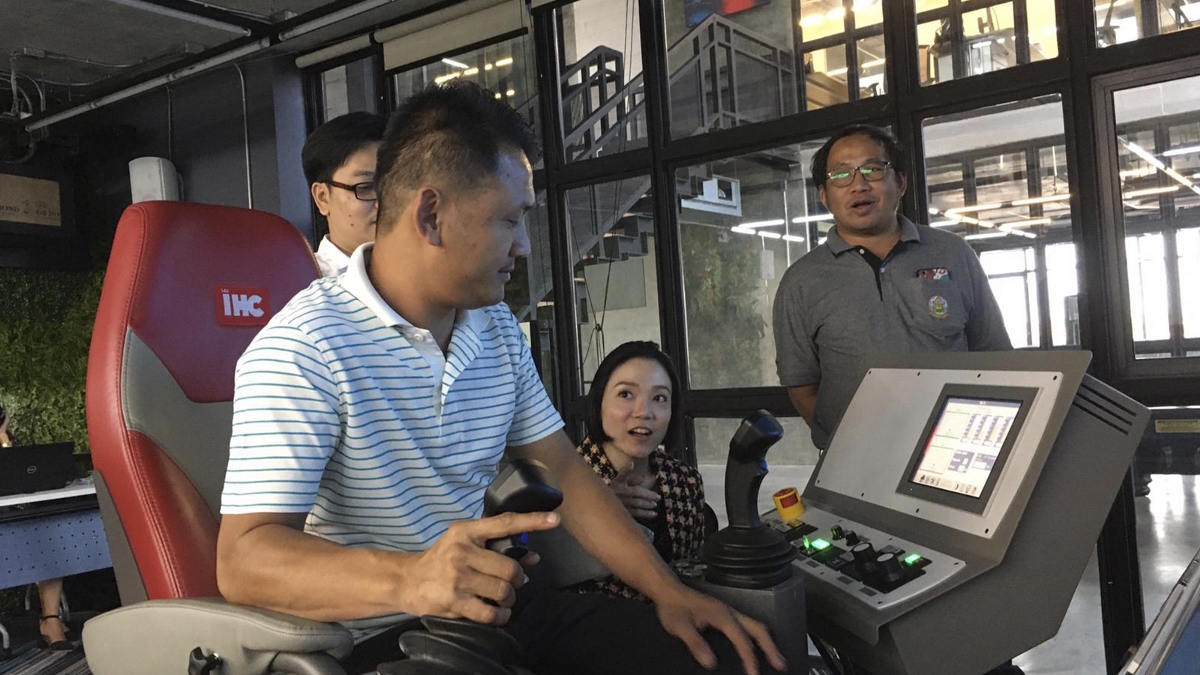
point(188, 286)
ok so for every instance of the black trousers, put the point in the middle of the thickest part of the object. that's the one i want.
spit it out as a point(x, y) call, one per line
point(563, 633)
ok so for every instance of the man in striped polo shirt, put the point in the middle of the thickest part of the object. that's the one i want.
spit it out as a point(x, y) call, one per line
point(370, 414)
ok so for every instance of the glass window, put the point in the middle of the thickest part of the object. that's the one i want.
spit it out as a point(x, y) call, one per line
point(730, 64)
point(1187, 245)
point(742, 222)
point(842, 51)
point(953, 43)
point(506, 68)
point(529, 295)
point(600, 77)
point(349, 88)
point(1158, 155)
point(611, 232)
point(1119, 21)
point(998, 177)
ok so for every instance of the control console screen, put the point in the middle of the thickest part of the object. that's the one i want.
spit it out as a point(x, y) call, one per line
point(966, 440)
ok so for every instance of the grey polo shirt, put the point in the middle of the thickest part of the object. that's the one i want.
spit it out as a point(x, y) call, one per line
point(839, 304)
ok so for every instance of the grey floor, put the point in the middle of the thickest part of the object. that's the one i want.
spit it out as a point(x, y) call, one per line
point(1168, 535)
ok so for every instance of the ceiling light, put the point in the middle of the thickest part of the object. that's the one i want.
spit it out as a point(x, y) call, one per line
point(1027, 223)
point(1150, 191)
point(183, 16)
point(456, 64)
point(792, 237)
point(812, 20)
point(1138, 173)
point(1174, 152)
point(933, 211)
point(1041, 200)
point(985, 235)
point(504, 62)
point(770, 235)
point(488, 66)
point(511, 92)
point(811, 219)
point(977, 207)
point(471, 71)
point(944, 223)
point(441, 79)
point(761, 223)
point(835, 14)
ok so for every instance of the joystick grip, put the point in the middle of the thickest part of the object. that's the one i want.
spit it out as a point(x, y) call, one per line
point(524, 486)
point(747, 465)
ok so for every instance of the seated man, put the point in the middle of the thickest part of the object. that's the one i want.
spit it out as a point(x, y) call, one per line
point(339, 163)
point(371, 412)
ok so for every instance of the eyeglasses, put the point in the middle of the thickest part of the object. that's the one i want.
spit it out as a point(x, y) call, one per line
point(363, 191)
point(872, 172)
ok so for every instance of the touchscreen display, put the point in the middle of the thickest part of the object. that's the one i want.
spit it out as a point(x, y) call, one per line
point(963, 446)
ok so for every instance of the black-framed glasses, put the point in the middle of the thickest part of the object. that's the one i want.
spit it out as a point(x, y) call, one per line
point(871, 172)
point(363, 191)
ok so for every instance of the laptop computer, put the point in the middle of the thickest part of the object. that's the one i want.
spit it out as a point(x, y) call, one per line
point(35, 468)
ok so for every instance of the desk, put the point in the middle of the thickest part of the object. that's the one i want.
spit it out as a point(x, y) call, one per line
point(57, 534)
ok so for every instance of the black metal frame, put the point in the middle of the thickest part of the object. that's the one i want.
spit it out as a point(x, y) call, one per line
point(907, 104)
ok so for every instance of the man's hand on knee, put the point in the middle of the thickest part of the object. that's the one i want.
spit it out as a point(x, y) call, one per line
point(690, 613)
point(458, 577)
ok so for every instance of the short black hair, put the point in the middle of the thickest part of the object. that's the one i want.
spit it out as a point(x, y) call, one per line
point(455, 131)
point(593, 420)
point(330, 146)
point(895, 151)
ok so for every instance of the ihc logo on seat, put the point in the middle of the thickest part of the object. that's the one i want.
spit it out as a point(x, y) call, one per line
point(242, 306)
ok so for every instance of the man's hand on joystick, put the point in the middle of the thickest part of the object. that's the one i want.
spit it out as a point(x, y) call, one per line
point(458, 575)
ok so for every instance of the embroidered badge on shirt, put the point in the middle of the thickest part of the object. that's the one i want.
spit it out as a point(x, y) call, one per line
point(938, 307)
point(935, 273)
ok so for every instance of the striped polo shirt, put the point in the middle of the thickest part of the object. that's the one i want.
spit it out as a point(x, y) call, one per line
point(335, 415)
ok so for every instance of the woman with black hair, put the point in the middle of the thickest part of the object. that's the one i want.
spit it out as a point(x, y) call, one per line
point(633, 419)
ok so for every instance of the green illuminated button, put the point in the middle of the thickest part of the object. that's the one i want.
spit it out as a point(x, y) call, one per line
point(912, 559)
point(820, 544)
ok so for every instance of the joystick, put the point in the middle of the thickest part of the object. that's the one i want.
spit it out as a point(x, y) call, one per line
point(748, 554)
point(461, 647)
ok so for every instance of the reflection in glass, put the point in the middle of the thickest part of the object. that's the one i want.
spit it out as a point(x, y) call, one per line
point(1158, 154)
point(742, 222)
point(1187, 245)
point(611, 236)
point(825, 74)
point(349, 88)
point(872, 67)
point(1013, 205)
point(821, 19)
point(1119, 21)
point(603, 95)
point(984, 40)
point(729, 70)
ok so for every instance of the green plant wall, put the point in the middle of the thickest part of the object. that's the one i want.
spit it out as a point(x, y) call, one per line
point(46, 322)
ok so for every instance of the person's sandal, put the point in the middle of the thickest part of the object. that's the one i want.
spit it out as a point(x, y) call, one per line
point(57, 645)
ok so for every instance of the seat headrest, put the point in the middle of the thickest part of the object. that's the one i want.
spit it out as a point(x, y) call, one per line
point(196, 282)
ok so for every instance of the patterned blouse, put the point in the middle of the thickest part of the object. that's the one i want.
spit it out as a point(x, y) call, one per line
point(680, 513)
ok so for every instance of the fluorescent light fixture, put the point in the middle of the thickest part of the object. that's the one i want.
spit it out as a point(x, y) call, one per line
point(1149, 157)
point(471, 71)
point(943, 223)
point(812, 20)
point(835, 14)
point(440, 79)
point(510, 93)
point(456, 64)
point(770, 235)
point(1042, 200)
point(183, 16)
point(488, 66)
point(1027, 223)
point(792, 237)
point(971, 209)
point(1013, 231)
point(1175, 152)
point(1138, 173)
point(813, 219)
point(761, 223)
point(507, 61)
point(1150, 191)
point(985, 235)
point(933, 211)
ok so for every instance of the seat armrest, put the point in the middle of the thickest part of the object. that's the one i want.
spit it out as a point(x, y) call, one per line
point(157, 636)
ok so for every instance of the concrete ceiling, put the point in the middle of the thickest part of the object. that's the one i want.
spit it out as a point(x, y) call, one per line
point(74, 49)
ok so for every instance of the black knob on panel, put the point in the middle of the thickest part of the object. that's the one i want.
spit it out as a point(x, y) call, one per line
point(864, 553)
point(851, 538)
point(836, 532)
point(889, 567)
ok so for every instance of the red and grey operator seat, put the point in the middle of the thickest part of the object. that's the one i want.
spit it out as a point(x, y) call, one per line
point(188, 286)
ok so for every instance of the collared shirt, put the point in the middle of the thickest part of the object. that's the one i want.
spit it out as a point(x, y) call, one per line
point(331, 258)
point(333, 417)
point(839, 304)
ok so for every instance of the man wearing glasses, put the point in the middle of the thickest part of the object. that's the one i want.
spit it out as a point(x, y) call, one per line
point(880, 283)
point(339, 163)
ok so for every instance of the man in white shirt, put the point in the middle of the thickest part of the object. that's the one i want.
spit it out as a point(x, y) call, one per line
point(339, 163)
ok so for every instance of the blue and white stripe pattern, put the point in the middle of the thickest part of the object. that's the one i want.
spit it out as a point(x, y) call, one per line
point(332, 417)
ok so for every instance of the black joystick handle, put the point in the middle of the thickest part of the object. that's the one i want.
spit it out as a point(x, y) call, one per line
point(747, 466)
point(524, 486)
